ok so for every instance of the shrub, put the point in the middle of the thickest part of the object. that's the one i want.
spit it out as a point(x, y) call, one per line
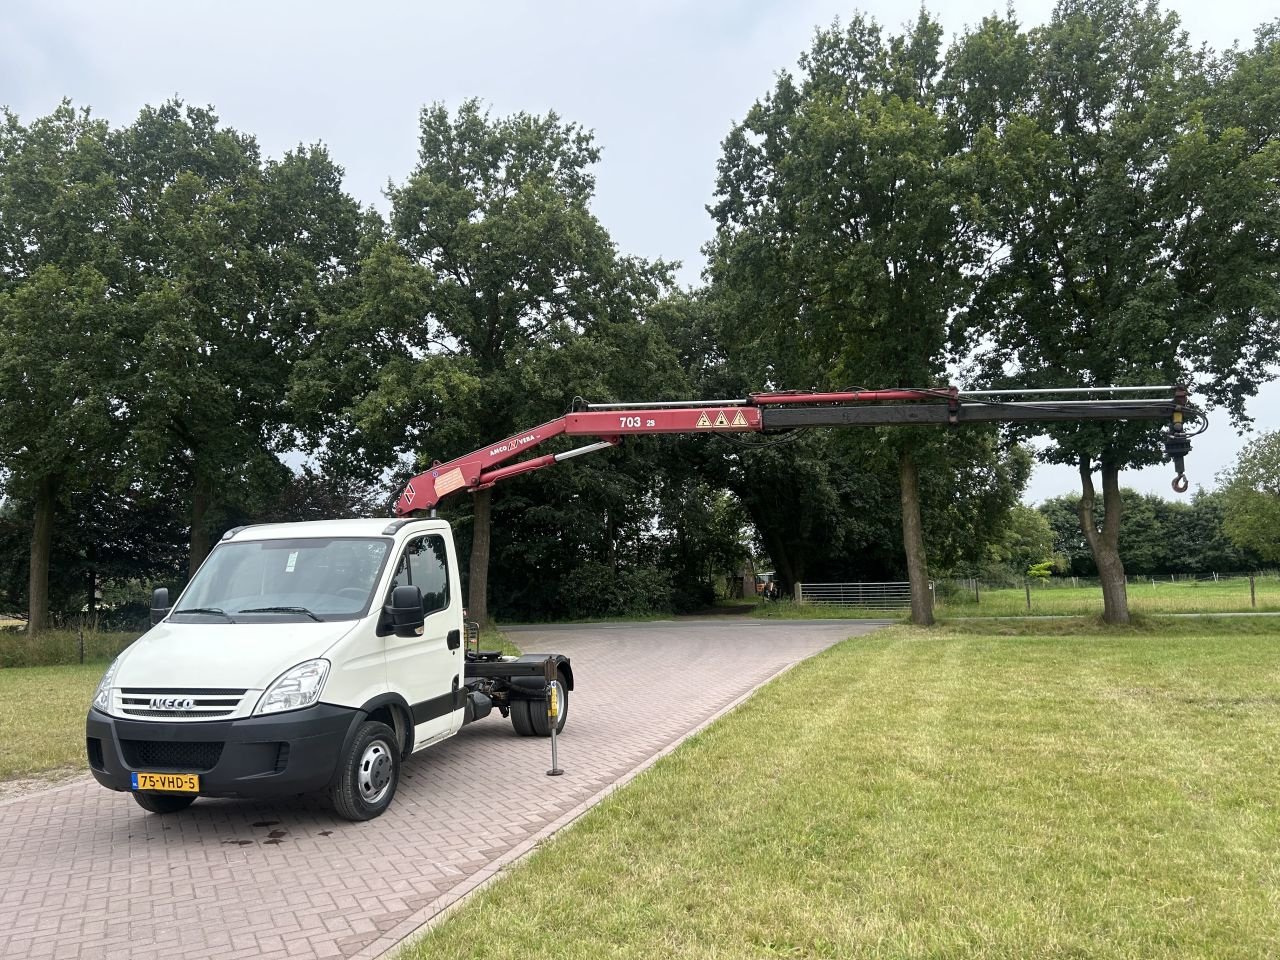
point(596, 590)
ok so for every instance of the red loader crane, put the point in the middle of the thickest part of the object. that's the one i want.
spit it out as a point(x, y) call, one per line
point(790, 410)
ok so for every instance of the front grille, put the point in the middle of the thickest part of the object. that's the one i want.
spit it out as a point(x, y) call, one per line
point(189, 757)
point(282, 757)
point(209, 703)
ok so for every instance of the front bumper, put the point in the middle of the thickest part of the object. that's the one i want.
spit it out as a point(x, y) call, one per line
point(287, 753)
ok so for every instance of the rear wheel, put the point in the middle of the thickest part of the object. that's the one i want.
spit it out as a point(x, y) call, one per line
point(164, 802)
point(529, 717)
point(520, 719)
point(368, 773)
point(538, 711)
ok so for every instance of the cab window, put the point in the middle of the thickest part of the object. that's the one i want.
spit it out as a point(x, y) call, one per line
point(425, 564)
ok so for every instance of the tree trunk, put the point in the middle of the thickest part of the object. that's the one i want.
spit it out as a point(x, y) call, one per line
point(478, 579)
point(41, 547)
point(913, 541)
point(200, 545)
point(1104, 544)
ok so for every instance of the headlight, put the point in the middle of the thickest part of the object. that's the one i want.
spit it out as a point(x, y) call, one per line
point(102, 697)
point(299, 687)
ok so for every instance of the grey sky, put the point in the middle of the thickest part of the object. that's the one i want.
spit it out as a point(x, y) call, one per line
point(660, 83)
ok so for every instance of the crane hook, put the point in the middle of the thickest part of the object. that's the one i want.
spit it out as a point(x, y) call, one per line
point(1176, 446)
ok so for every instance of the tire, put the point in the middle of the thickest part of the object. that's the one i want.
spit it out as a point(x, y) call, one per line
point(368, 773)
point(520, 718)
point(529, 717)
point(164, 802)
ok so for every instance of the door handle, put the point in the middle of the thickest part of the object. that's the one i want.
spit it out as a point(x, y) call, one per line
point(454, 639)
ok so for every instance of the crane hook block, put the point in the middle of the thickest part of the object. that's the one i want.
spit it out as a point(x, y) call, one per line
point(1176, 446)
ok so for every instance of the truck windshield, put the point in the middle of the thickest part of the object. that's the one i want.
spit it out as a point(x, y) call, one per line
point(316, 578)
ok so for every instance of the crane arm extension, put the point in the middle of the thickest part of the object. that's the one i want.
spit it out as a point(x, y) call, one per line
point(762, 412)
point(480, 469)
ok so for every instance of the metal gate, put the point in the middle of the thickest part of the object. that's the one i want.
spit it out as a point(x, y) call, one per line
point(869, 596)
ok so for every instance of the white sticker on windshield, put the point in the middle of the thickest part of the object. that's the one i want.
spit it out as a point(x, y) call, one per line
point(293, 559)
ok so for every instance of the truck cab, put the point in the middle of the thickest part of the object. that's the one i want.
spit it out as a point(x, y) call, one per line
point(305, 657)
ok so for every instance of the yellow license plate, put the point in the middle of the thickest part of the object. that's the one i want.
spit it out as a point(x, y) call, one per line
point(168, 782)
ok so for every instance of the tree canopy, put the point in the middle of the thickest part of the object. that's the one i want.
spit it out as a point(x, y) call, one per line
point(1251, 498)
point(841, 241)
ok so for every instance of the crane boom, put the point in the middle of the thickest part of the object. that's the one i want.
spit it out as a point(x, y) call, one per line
point(786, 410)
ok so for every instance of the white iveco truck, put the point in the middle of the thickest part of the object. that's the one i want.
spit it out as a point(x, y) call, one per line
point(307, 657)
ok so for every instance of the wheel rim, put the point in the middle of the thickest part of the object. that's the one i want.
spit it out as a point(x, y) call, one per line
point(373, 777)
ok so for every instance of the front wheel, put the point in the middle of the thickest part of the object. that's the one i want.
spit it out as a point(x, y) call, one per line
point(164, 802)
point(368, 773)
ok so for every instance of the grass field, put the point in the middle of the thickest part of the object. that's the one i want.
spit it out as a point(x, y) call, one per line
point(42, 713)
point(44, 695)
point(1004, 790)
point(56, 647)
point(492, 638)
point(790, 610)
point(1145, 597)
point(1060, 598)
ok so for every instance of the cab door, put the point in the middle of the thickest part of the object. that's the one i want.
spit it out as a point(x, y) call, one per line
point(427, 669)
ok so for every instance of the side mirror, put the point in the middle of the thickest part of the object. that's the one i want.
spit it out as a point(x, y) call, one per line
point(407, 619)
point(160, 604)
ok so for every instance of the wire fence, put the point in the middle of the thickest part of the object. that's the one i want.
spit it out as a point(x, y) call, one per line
point(1176, 593)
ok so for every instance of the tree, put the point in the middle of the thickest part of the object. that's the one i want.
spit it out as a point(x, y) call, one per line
point(492, 290)
point(1027, 540)
point(1063, 516)
point(1157, 536)
point(1251, 498)
point(840, 236)
point(1130, 203)
point(231, 260)
point(60, 321)
point(1207, 547)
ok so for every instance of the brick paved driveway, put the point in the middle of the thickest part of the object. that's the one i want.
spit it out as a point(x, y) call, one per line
point(85, 873)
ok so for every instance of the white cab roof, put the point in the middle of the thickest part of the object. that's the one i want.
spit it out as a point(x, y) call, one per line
point(378, 527)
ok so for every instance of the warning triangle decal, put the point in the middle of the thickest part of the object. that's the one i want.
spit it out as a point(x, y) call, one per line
point(739, 420)
point(704, 421)
point(722, 420)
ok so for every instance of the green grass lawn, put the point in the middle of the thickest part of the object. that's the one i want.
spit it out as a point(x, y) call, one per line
point(53, 647)
point(976, 790)
point(1145, 597)
point(492, 638)
point(1060, 598)
point(42, 712)
point(790, 610)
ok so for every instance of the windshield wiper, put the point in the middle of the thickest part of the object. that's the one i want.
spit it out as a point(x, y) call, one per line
point(302, 610)
point(213, 610)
